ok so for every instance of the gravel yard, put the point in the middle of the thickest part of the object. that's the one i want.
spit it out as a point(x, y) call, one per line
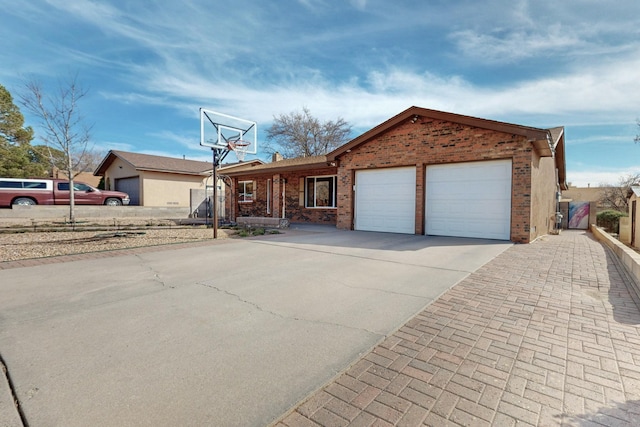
point(18, 246)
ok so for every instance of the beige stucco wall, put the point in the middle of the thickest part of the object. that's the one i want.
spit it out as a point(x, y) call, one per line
point(636, 238)
point(543, 195)
point(167, 189)
point(624, 231)
point(118, 169)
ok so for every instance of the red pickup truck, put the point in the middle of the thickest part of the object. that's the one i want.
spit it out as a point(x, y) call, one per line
point(18, 191)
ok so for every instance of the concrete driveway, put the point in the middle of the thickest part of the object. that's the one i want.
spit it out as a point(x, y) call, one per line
point(230, 334)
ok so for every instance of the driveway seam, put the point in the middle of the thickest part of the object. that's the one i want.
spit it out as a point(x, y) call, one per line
point(12, 391)
point(284, 317)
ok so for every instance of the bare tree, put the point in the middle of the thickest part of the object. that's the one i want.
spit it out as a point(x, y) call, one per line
point(63, 127)
point(299, 134)
point(616, 196)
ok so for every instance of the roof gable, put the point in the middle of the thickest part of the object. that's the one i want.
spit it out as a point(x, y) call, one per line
point(538, 137)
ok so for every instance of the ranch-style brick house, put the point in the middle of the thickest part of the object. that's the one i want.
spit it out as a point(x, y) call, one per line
point(420, 172)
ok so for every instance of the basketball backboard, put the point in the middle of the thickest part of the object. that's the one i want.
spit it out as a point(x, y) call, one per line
point(217, 130)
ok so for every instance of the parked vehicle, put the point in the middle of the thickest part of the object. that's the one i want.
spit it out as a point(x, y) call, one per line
point(17, 191)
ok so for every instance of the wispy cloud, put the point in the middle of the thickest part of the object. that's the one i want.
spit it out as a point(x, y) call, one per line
point(509, 46)
point(600, 94)
point(181, 139)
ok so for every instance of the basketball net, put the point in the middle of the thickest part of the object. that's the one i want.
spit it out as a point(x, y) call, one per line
point(239, 147)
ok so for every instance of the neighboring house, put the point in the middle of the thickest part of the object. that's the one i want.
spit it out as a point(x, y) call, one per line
point(155, 180)
point(86, 177)
point(634, 216)
point(584, 194)
point(420, 172)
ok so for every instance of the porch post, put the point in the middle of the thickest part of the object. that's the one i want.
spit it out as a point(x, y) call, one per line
point(277, 195)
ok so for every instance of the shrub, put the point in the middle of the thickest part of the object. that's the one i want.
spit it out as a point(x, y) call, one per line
point(610, 220)
point(248, 231)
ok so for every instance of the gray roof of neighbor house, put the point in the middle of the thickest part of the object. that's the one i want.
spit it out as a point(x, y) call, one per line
point(148, 162)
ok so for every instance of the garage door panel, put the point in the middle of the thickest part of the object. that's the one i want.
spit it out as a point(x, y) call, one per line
point(385, 200)
point(131, 186)
point(469, 200)
point(468, 228)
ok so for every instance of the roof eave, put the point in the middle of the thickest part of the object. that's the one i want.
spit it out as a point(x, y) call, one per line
point(561, 163)
point(104, 164)
point(202, 173)
point(276, 169)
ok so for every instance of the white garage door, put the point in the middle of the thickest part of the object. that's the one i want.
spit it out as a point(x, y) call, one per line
point(386, 200)
point(469, 200)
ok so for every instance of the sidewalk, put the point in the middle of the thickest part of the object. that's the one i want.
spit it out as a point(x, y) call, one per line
point(545, 334)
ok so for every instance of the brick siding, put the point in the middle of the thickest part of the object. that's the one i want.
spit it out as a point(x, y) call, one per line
point(294, 211)
point(430, 142)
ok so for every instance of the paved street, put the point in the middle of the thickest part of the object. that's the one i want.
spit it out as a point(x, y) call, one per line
point(229, 333)
point(545, 334)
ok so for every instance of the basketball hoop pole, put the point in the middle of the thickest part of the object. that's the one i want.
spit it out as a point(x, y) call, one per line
point(215, 193)
point(218, 156)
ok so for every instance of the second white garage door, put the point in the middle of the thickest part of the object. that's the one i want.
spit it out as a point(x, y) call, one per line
point(386, 200)
point(469, 200)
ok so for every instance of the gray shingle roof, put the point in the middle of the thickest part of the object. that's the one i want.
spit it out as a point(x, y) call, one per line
point(149, 162)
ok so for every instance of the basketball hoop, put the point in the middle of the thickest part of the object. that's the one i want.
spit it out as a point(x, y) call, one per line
point(239, 147)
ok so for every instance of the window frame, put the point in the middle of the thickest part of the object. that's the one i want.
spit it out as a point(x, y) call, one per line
point(315, 178)
point(242, 195)
point(268, 196)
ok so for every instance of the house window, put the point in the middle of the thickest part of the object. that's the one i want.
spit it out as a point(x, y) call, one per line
point(245, 191)
point(321, 192)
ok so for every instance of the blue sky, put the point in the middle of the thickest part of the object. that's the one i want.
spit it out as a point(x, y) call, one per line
point(150, 65)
